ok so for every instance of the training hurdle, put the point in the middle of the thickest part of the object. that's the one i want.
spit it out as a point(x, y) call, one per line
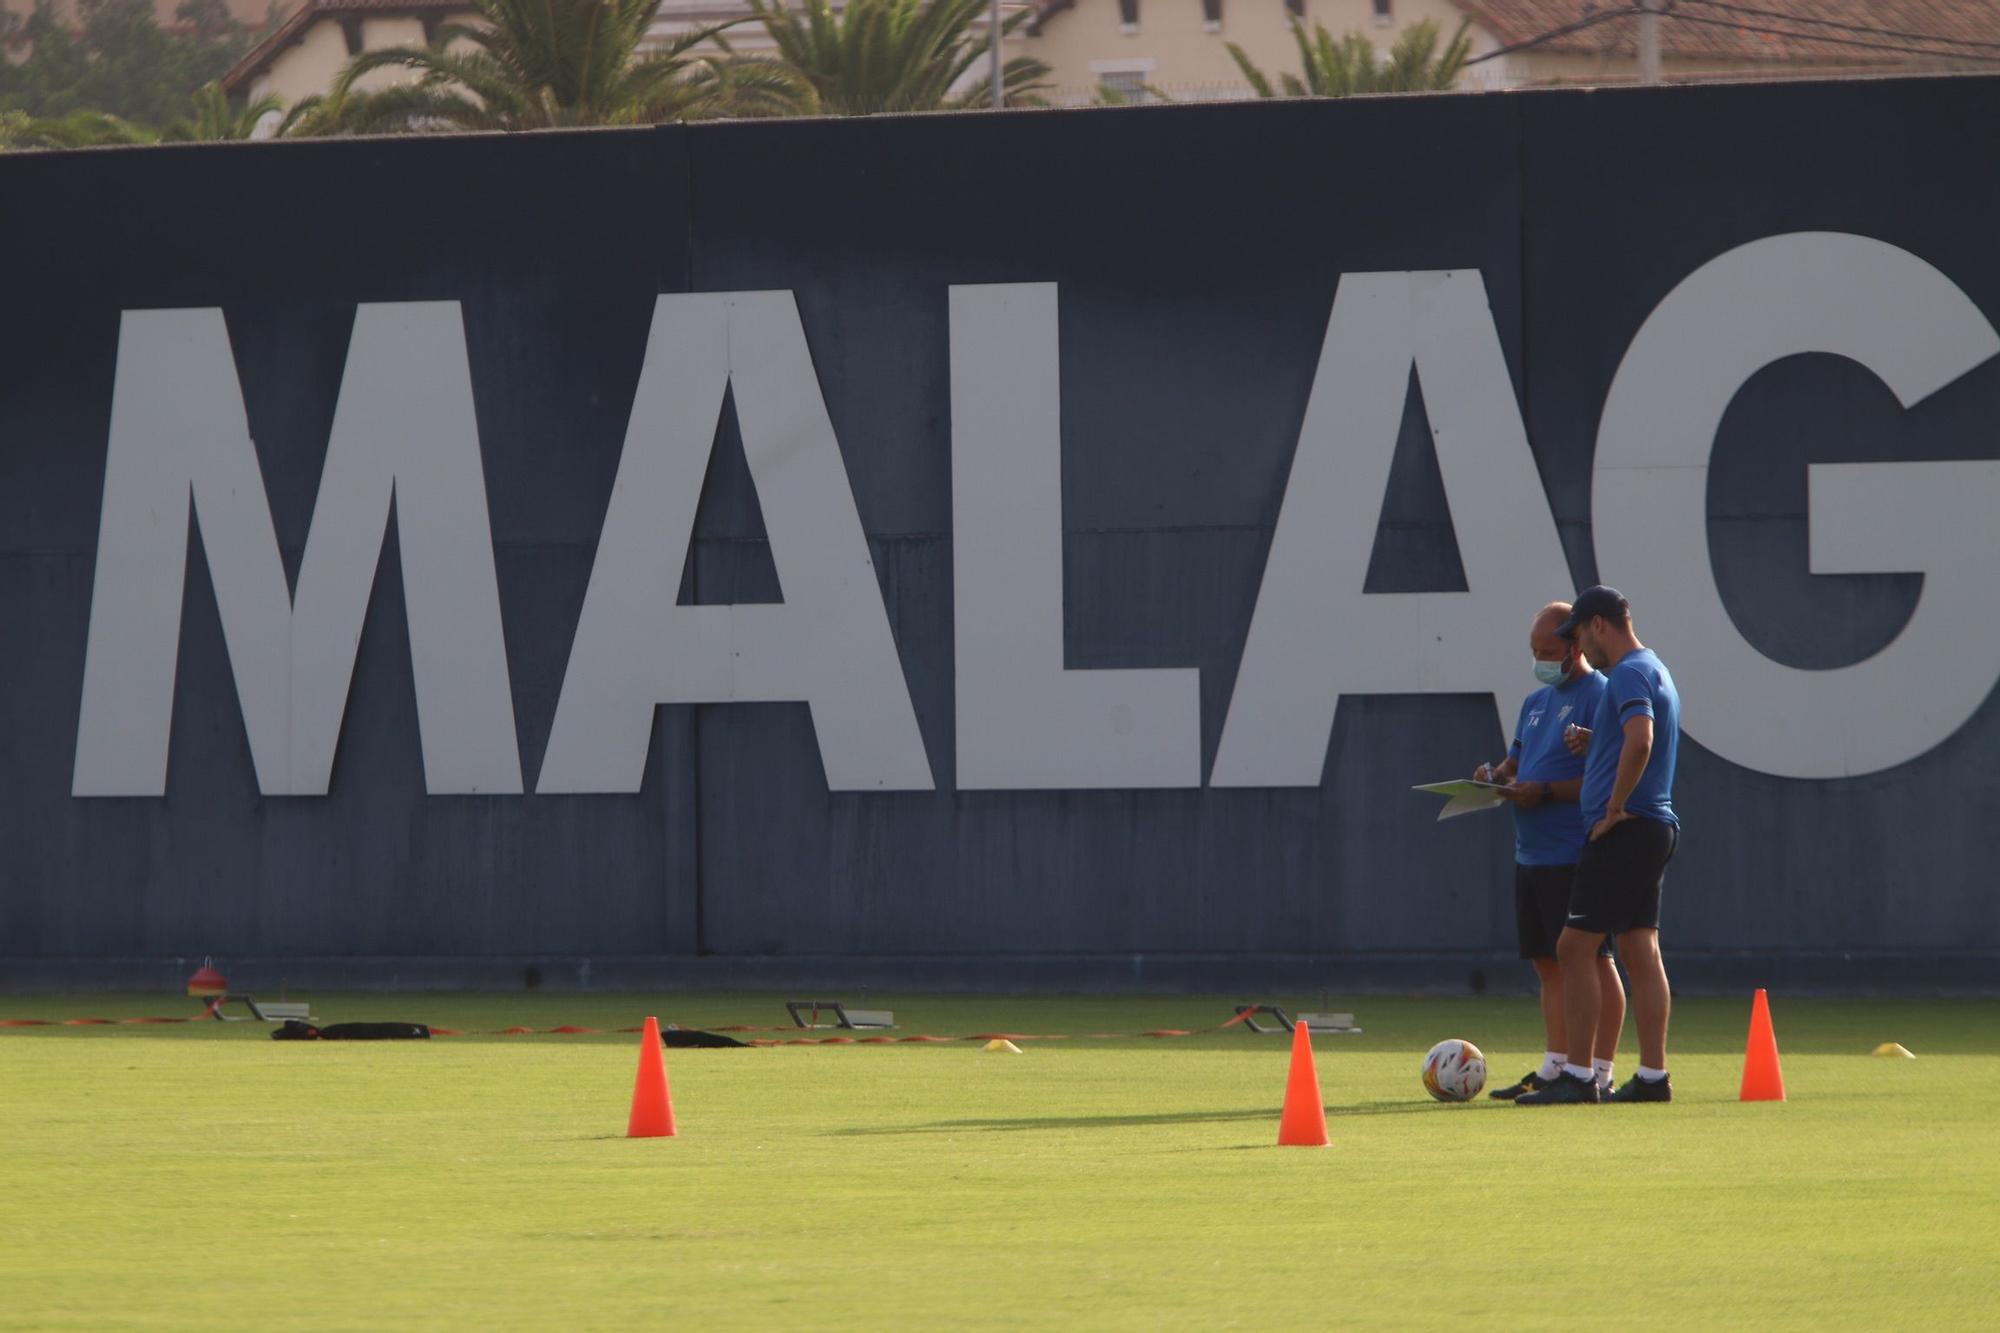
point(805, 1014)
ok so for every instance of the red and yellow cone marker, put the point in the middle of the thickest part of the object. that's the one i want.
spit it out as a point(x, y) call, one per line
point(652, 1103)
point(1303, 1124)
point(1763, 1080)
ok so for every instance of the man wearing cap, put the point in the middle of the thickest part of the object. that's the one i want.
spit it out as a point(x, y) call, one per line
point(1627, 799)
point(1544, 780)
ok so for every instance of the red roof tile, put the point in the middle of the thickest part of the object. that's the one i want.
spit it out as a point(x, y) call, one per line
point(1729, 32)
point(1870, 32)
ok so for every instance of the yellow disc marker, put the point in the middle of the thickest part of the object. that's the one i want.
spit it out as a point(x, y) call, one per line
point(1001, 1044)
point(1891, 1049)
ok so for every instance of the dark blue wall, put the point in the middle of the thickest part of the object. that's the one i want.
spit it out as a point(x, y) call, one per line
point(1197, 251)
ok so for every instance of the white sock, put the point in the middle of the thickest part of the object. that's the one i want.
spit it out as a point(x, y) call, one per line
point(1650, 1074)
point(1603, 1068)
point(1552, 1063)
point(1579, 1071)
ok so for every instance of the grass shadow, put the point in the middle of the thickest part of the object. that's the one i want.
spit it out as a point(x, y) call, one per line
point(1020, 1124)
point(1017, 1124)
point(1401, 1106)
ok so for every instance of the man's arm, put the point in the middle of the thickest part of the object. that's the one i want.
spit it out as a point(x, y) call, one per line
point(1638, 749)
point(1566, 792)
point(1528, 795)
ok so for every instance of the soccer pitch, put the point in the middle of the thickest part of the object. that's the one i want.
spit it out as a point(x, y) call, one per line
point(200, 1175)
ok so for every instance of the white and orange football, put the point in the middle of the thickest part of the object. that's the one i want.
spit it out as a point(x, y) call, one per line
point(1454, 1071)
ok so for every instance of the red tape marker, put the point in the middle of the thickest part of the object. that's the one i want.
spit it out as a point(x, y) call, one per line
point(571, 1029)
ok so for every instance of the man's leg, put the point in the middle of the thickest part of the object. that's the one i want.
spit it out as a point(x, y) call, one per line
point(1651, 999)
point(1551, 979)
point(1576, 954)
point(1555, 1053)
point(1541, 897)
point(1610, 1017)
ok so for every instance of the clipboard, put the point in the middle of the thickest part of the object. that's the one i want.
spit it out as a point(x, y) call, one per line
point(1464, 796)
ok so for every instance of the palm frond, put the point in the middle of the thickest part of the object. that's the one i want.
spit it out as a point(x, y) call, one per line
point(1330, 67)
point(1259, 82)
point(894, 55)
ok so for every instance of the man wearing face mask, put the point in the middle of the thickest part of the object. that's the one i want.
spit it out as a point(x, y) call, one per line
point(1543, 779)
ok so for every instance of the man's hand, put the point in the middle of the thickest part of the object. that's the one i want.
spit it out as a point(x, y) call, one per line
point(1527, 795)
point(1612, 818)
point(1576, 739)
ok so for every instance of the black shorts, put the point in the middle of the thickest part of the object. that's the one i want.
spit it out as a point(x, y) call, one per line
point(1541, 901)
point(1619, 878)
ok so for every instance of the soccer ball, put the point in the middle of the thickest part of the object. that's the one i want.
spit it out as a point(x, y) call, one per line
point(1454, 1071)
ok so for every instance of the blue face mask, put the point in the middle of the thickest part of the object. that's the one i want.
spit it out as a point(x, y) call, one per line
point(1550, 673)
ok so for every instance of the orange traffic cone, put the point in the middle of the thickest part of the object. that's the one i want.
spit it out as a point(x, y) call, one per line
point(1303, 1124)
point(1763, 1081)
point(652, 1104)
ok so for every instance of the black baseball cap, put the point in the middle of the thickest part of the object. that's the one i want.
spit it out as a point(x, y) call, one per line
point(1594, 601)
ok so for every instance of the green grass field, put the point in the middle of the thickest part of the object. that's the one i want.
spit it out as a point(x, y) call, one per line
point(201, 1176)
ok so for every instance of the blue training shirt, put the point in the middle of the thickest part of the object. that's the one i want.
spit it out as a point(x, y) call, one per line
point(1552, 834)
point(1638, 686)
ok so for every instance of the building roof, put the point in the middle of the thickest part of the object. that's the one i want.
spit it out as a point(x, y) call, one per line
point(1761, 32)
point(1737, 32)
point(261, 56)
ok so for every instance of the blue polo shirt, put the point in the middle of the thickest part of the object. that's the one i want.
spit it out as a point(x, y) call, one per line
point(1638, 686)
point(1552, 834)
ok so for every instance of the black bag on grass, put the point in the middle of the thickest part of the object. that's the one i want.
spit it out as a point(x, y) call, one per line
point(295, 1030)
point(695, 1037)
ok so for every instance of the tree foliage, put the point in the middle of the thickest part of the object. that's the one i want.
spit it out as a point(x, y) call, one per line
point(1338, 68)
point(118, 62)
point(212, 115)
point(897, 55)
point(538, 64)
point(117, 77)
point(76, 129)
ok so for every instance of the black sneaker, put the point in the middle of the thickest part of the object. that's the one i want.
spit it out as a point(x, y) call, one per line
point(1638, 1089)
point(1532, 1081)
point(1565, 1090)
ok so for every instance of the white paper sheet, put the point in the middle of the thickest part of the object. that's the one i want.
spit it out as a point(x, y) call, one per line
point(1465, 796)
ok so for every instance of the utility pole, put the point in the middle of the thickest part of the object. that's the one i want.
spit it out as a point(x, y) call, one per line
point(1649, 41)
point(999, 89)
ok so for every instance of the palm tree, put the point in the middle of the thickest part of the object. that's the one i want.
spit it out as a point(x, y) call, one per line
point(1339, 68)
point(214, 118)
point(1416, 65)
point(538, 64)
point(78, 129)
point(897, 55)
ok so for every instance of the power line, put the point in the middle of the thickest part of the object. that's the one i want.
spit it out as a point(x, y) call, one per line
point(1672, 11)
point(1843, 27)
point(1680, 17)
point(1589, 21)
